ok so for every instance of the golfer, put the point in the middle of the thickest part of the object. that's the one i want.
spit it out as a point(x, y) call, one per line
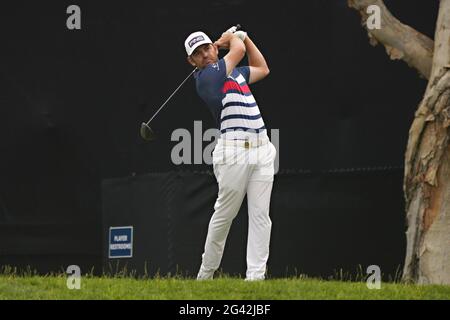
point(243, 159)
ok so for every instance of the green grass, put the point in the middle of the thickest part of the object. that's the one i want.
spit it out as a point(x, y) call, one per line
point(54, 287)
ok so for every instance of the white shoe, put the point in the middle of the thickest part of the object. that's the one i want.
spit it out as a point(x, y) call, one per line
point(254, 279)
point(202, 275)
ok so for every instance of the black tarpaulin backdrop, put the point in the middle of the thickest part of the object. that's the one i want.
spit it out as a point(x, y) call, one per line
point(321, 222)
point(72, 162)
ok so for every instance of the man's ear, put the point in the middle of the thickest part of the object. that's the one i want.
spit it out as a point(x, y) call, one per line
point(189, 59)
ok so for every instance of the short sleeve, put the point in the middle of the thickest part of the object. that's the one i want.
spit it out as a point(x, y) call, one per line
point(213, 76)
point(245, 71)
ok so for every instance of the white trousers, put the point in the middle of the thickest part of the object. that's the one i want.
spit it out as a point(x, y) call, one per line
point(240, 171)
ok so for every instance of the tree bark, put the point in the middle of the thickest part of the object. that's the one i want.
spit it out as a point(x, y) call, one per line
point(413, 47)
point(427, 159)
point(427, 170)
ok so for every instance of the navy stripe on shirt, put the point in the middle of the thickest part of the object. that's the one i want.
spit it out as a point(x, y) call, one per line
point(230, 129)
point(241, 116)
point(240, 104)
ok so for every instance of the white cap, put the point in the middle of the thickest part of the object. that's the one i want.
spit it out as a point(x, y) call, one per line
point(194, 40)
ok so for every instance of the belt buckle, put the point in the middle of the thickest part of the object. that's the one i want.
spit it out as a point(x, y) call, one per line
point(246, 144)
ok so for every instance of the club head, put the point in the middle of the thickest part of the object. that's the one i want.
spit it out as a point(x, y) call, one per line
point(146, 132)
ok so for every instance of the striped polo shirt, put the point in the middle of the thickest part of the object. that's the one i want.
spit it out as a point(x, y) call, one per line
point(230, 101)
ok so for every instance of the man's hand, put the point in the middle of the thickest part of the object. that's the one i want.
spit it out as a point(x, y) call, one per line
point(224, 41)
point(232, 29)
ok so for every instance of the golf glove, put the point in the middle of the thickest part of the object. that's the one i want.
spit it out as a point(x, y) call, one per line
point(241, 34)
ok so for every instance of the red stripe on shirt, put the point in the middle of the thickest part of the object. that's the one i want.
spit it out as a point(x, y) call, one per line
point(232, 85)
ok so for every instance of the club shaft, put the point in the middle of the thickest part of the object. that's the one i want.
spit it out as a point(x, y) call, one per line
point(170, 96)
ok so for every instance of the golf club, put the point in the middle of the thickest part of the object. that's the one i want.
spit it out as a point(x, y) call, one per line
point(147, 132)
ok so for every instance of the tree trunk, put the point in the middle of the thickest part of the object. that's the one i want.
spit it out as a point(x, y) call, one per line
point(427, 158)
point(427, 171)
